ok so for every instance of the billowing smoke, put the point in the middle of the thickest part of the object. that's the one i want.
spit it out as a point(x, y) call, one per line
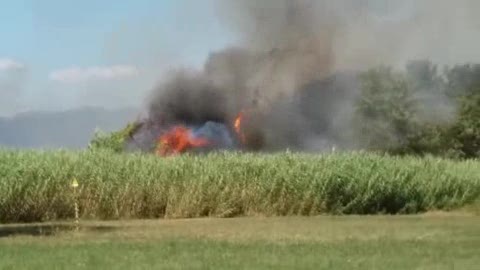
point(293, 69)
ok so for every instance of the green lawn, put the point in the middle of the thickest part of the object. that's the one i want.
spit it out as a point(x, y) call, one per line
point(433, 241)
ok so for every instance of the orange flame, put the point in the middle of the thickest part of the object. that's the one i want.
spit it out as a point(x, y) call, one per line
point(178, 140)
point(237, 124)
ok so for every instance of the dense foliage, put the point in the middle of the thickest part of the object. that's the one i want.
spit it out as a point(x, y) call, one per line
point(385, 110)
point(421, 111)
point(114, 141)
point(35, 186)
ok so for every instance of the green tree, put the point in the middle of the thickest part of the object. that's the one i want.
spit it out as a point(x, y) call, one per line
point(463, 80)
point(463, 137)
point(401, 113)
point(385, 111)
point(434, 110)
point(114, 141)
point(424, 77)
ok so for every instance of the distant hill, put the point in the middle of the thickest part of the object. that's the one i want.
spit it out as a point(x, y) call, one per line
point(67, 129)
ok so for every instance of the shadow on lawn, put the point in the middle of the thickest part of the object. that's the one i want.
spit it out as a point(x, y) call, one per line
point(47, 229)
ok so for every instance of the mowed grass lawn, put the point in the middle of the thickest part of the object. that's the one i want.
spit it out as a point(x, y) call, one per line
point(430, 241)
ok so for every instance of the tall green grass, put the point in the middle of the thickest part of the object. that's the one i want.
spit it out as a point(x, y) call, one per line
point(35, 186)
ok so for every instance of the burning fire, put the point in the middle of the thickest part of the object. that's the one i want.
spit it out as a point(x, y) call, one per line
point(178, 140)
point(238, 127)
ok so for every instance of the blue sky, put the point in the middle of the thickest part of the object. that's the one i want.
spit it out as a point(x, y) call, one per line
point(48, 36)
point(61, 54)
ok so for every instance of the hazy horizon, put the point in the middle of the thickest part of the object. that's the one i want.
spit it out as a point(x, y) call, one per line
point(58, 55)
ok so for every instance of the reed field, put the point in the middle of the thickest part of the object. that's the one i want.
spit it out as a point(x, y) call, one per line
point(35, 186)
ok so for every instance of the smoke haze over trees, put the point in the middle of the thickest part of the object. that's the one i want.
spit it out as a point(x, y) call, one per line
point(315, 74)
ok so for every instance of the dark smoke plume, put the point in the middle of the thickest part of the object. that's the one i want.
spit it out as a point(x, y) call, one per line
point(294, 68)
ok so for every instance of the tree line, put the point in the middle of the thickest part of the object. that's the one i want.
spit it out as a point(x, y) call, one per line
point(421, 110)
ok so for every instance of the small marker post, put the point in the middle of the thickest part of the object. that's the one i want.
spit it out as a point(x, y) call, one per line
point(75, 186)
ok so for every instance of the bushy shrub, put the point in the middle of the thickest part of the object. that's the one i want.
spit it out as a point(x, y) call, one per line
point(114, 141)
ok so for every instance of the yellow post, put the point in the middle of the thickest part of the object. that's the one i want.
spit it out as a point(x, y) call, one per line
point(75, 186)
